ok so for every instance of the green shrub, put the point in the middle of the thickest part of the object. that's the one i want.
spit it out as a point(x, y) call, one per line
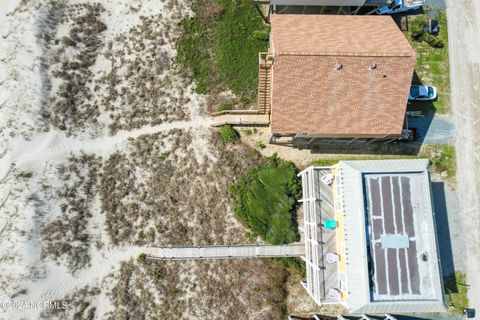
point(142, 257)
point(260, 145)
point(164, 156)
point(159, 274)
point(433, 41)
point(256, 289)
point(295, 266)
point(224, 106)
point(228, 134)
point(248, 132)
point(417, 27)
point(265, 200)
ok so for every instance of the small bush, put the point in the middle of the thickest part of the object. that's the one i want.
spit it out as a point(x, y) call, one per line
point(433, 41)
point(265, 200)
point(142, 257)
point(417, 27)
point(256, 289)
point(295, 266)
point(248, 132)
point(228, 134)
point(260, 145)
point(223, 107)
point(164, 156)
point(159, 274)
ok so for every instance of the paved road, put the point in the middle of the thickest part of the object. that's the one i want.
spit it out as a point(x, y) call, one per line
point(226, 252)
point(464, 48)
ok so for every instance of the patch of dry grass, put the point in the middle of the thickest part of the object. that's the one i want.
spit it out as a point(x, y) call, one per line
point(80, 306)
point(159, 192)
point(67, 235)
point(233, 289)
point(70, 63)
point(143, 86)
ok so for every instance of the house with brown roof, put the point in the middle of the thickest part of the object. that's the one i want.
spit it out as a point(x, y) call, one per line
point(335, 78)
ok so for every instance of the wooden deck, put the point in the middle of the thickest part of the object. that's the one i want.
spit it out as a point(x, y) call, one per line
point(328, 239)
point(317, 207)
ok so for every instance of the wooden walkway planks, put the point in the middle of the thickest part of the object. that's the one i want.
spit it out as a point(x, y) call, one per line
point(241, 119)
point(225, 252)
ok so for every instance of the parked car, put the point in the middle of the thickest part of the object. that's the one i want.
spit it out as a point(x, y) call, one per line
point(422, 93)
point(433, 27)
point(398, 6)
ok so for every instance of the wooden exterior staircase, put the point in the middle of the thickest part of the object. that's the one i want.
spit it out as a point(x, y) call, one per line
point(264, 82)
point(261, 116)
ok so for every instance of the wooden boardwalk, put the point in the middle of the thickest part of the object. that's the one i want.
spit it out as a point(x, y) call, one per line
point(225, 252)
point(240, 118)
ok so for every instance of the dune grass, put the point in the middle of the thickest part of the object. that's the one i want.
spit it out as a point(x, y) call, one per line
point(265, 200)
point(220, 45)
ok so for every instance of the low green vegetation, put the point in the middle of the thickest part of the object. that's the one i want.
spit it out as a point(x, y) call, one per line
point(442, 157)
point(419, 34)
point(333, 161)
point(432, 66)
point(229, 134)
point(248, 132)
point(224, 106)
point(159, 274)
point(175, 290)
point(443, 160)
point(220, 44)
point(142, 257)
point(260, 145)
point(266, 198)
point(457, 289)
point(295, 266)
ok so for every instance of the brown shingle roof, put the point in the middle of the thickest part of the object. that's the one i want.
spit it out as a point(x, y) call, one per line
point(311, 96)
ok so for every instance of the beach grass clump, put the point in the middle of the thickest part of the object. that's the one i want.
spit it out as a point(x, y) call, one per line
point(220, 45)
point(67, 236)
point(265, 200)
point(229, 134)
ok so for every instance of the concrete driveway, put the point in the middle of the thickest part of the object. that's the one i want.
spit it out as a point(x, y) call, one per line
point(464, 49)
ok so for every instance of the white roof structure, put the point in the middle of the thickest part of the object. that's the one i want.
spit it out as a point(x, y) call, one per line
point(390, 245)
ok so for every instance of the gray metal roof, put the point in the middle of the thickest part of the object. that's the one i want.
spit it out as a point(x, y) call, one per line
point(360, 295)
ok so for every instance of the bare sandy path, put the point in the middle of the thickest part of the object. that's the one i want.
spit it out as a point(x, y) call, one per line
point(464, 47)
point(54, 145)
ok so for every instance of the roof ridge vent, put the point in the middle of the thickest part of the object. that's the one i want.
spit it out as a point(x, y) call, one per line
point(338, 66)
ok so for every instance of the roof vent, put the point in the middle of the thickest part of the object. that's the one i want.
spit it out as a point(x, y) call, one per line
point(338, 66)
point(384, 75)
point(373, 66)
